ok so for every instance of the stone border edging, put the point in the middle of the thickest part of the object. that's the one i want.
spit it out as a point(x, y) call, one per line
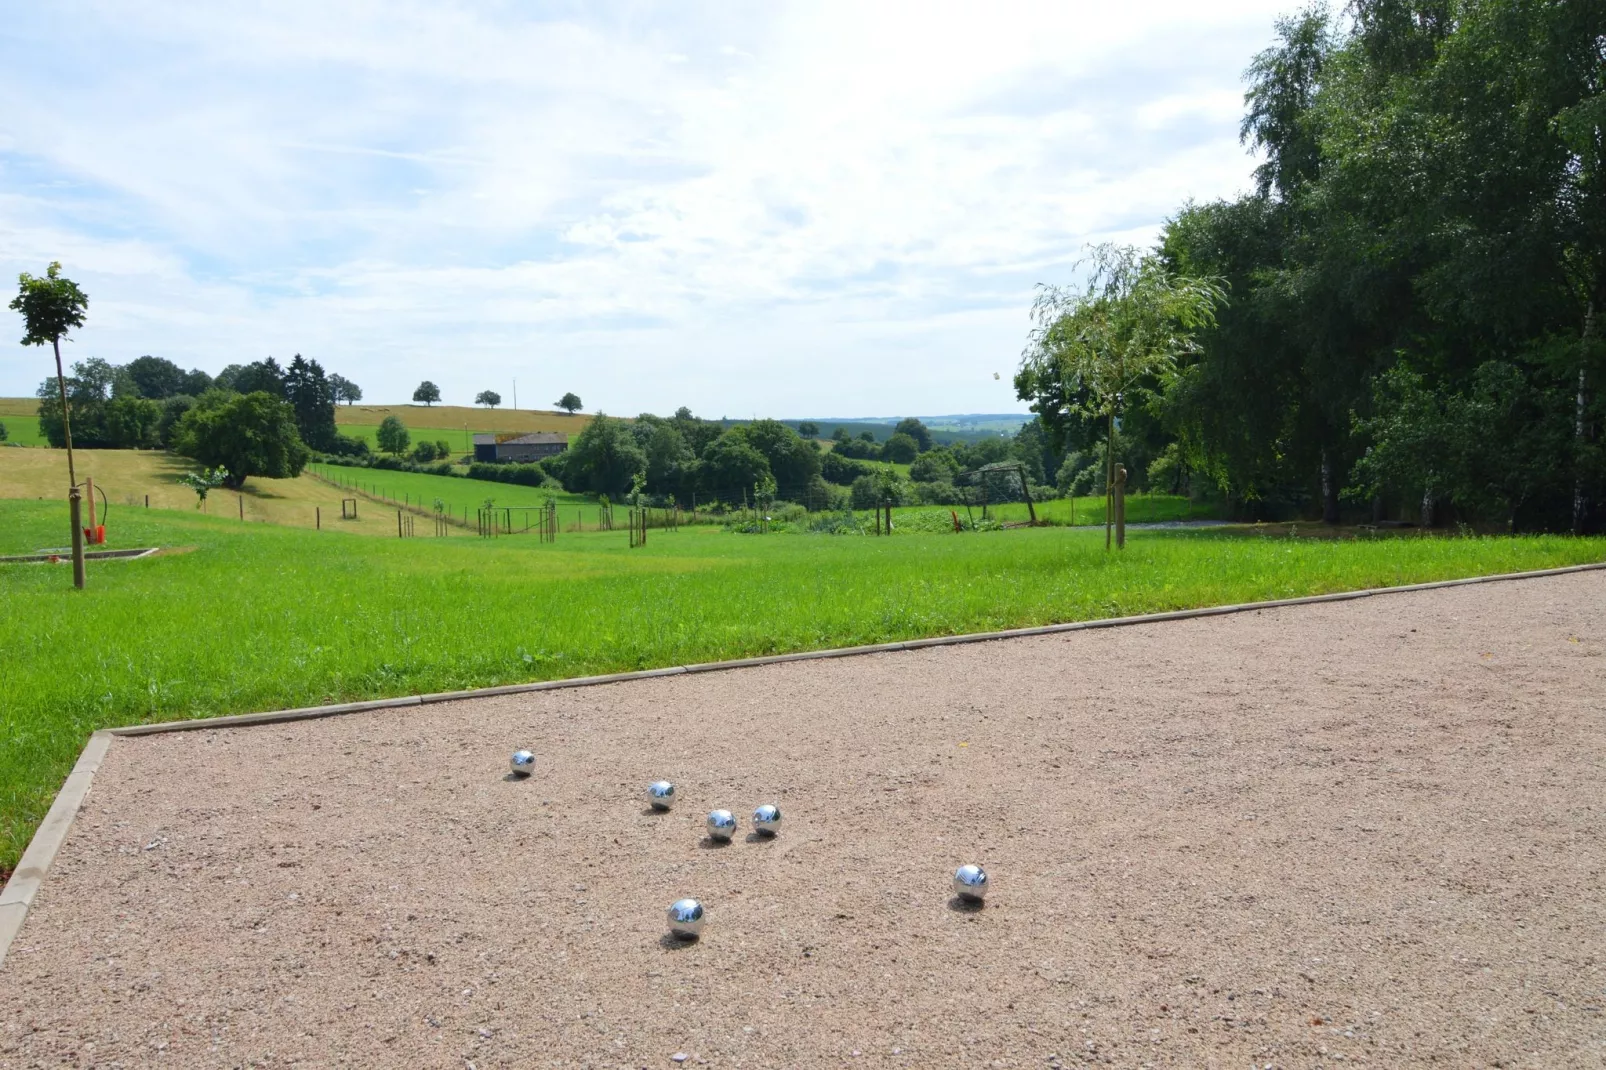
point(19, 891)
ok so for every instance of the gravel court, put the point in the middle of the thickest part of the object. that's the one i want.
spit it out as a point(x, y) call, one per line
point(1362, 831)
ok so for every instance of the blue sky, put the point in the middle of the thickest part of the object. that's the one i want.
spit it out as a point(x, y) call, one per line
point(787, 209)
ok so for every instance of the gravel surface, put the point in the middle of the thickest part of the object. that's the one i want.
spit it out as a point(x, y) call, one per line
point(1366, 832)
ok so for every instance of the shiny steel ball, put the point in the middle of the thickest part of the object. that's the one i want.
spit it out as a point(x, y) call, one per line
point(661, 794)
point(686, 918)
point(523, 763)
point(721, 825)
point(767, 820)
point(970, 882)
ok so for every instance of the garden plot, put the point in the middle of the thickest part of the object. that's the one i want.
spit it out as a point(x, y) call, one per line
point(1364, 831)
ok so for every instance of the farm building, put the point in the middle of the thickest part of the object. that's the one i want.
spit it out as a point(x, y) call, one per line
point(528, 447)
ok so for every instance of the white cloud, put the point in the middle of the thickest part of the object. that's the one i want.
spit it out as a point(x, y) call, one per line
point(790, 209)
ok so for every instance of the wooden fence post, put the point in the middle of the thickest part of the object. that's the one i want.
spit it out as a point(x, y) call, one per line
point(1120, 507)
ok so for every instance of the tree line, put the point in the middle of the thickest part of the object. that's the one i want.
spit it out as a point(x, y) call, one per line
point(250, 419)
point(685, 459)
point(1408, 324)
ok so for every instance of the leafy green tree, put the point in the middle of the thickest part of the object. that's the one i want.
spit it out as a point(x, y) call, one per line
point(263, 376)
point(133, 423)
point(916, 430)
point(424, 452)
point(392, 435)
point(3, 432)
point(671, 464)
point(937, 466)
point(730, 466)
point(52, 306)
point(840, 434)
point(173, 410)
point(791, 461)
point(155, 377)
point(196, 382)
point(569, 403)
point(226, 378)
point(603, 458)
point(245, 435)
point(489, 398)
point(1128, 325)
point(427, 392)
point(808, 429)
point(344, 389)
point(900, 449)
point(88, 388)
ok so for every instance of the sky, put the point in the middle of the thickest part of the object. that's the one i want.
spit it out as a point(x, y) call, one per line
point(784, 209)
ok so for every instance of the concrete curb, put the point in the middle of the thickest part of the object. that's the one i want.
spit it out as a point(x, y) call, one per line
point(24, 884)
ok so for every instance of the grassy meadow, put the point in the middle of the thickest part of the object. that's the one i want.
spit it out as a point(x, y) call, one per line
point(453, 423)
point(20, 415)
point(235, 617)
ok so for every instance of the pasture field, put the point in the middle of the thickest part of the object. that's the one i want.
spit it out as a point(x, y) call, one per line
point(237, 617)
point(22, 431)
point(453, 423)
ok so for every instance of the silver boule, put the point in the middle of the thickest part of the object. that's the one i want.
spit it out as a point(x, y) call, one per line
point(767, 819)
point(686, 918)
point(721, 825)
point(523, 763)
point(970, 882)
point(661, 794)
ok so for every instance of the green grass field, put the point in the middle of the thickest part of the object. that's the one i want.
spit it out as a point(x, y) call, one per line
point(22, 431)
point(260, 616)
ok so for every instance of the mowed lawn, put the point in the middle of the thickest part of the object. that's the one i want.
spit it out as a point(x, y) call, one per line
point(238, 617)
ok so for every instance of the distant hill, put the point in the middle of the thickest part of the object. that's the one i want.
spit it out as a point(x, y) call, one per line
point(959, 427)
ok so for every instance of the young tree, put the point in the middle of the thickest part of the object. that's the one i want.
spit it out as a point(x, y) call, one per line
point(392, 436)
point(569, 402)
point(489, 398)
point(50, 307)
point(244, 434)
point(203, 481)
point(3, 431)
point(345, 390)
point(1127, 327)
point(427, 392)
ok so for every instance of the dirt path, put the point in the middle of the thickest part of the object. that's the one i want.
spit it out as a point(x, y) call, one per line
point(1367, 831)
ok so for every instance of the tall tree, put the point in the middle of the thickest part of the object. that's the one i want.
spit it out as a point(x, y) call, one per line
point(345, 390)
point(311, 396)
point(569, 402)
point(427, 392)
point(489, 398)
point(263, 376)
